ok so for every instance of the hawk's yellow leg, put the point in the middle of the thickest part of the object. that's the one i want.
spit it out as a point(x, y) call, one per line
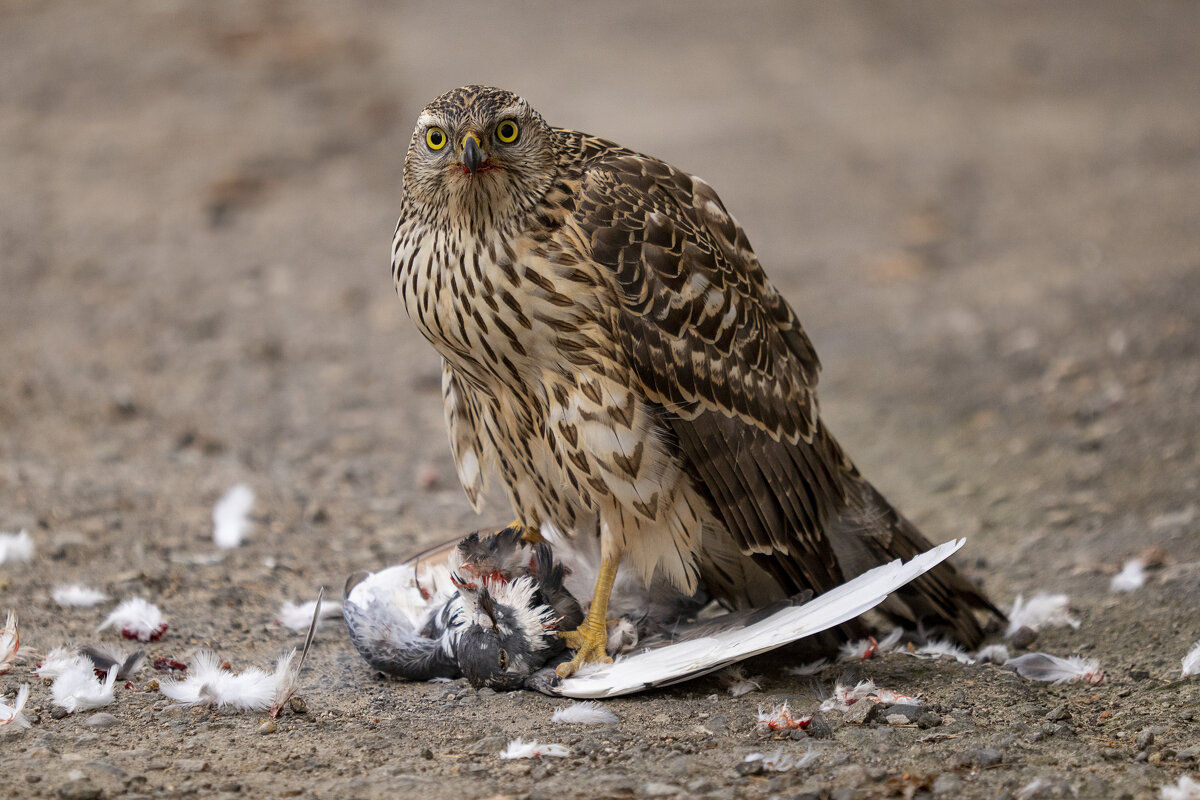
point(589, 639)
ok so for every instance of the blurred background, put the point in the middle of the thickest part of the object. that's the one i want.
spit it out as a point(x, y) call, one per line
point(986, 215)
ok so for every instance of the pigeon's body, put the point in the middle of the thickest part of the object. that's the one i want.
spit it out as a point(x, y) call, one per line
point(614, 351)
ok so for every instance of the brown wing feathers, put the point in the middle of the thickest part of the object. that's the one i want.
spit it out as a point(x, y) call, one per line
point(721, 351)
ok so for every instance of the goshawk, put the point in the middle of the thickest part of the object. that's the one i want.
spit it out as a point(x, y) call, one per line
point(613, 350)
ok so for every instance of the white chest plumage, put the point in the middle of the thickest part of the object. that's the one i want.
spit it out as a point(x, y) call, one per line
point(545, 405)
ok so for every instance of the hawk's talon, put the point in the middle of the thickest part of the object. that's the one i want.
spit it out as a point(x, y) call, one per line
point(529, 534)
point(589, 644)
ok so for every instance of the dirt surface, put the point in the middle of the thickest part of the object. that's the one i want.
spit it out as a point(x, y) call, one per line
point(986, 215)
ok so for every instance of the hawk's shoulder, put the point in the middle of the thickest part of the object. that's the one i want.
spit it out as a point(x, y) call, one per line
point(703, 327)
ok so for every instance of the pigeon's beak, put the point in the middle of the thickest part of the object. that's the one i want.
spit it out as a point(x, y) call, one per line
point(472, 153)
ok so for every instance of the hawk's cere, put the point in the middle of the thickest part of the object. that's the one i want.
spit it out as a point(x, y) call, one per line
point(613, 350)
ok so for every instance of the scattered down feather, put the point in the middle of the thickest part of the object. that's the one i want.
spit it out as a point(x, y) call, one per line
point(1191, 662)
point(736, 683)
point(207, 684)
point(77, 595)
point(588, 712)
point(16, 547)
point(10, 643)
point(106, 657)
point(1185, 789)
point(60, 661)
point(78, 689)
point(1130, 578)
point(231, 517)
point(1042, 610)
point(137, 619)
point(941, 648)
point(781, 718)
point(862, 649)
point(811, 668)
point(299, 616)
point(11, 715)
point(518, 748)
point(288, 667)
point(1052, 669)
point(992, 654)
point(846, 696)
point(782, 762)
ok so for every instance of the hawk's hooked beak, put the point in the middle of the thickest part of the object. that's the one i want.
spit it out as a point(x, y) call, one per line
point(473, 155)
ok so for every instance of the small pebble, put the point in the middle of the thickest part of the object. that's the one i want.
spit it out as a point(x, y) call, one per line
point(1023, 637)
point(1145, 739)
point(58, 712)
point(655, 789)
point(1059, 713)
point(102, 720)
point(268, 726)
point(80, 790)
point(298, 705)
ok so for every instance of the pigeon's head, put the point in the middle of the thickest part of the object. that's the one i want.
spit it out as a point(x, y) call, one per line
point(509, 633)
point(479, 156)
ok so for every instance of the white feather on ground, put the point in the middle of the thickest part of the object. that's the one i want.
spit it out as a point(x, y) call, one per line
point(1053, 669)
point(695, 657)
point(781, 718)
point(1130, 578)
point(588, 712)
point(869, 647)
point(992, 654)
point(78, 689)
point(941, 648)
point(811, 668)
point(782, 762)
point(207, 684)
point(77, 595)
point(518, 748)
point(60, 661)
point(1185, 789)
point(16, 547)
point(298, 616)
point(107, 657)
point(288, 667)
point(10, 643)
point(137, 619)
point(1042, 610)
point(231, 516)
point(10, 715)
point(736, 683)
point(846, 696)
point(1191, 662)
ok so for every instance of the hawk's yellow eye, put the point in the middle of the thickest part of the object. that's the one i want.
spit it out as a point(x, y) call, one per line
point(507, 131)
point(435, 138)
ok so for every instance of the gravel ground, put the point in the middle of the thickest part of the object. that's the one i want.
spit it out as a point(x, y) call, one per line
point(986, 216)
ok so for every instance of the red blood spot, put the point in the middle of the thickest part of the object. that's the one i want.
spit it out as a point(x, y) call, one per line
point(872, 648)
point(169, 665)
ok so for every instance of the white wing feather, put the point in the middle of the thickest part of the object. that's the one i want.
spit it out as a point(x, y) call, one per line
point(689, 659)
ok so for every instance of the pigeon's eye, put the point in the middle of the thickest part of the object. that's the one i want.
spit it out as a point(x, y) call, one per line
point(502, 659)
point(507, 131)
point(435, 138)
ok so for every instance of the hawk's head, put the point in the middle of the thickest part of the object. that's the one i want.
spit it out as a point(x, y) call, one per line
point(478, 155)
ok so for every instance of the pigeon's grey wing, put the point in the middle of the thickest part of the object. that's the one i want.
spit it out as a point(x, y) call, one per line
point(743, 638)
point(389, 639)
